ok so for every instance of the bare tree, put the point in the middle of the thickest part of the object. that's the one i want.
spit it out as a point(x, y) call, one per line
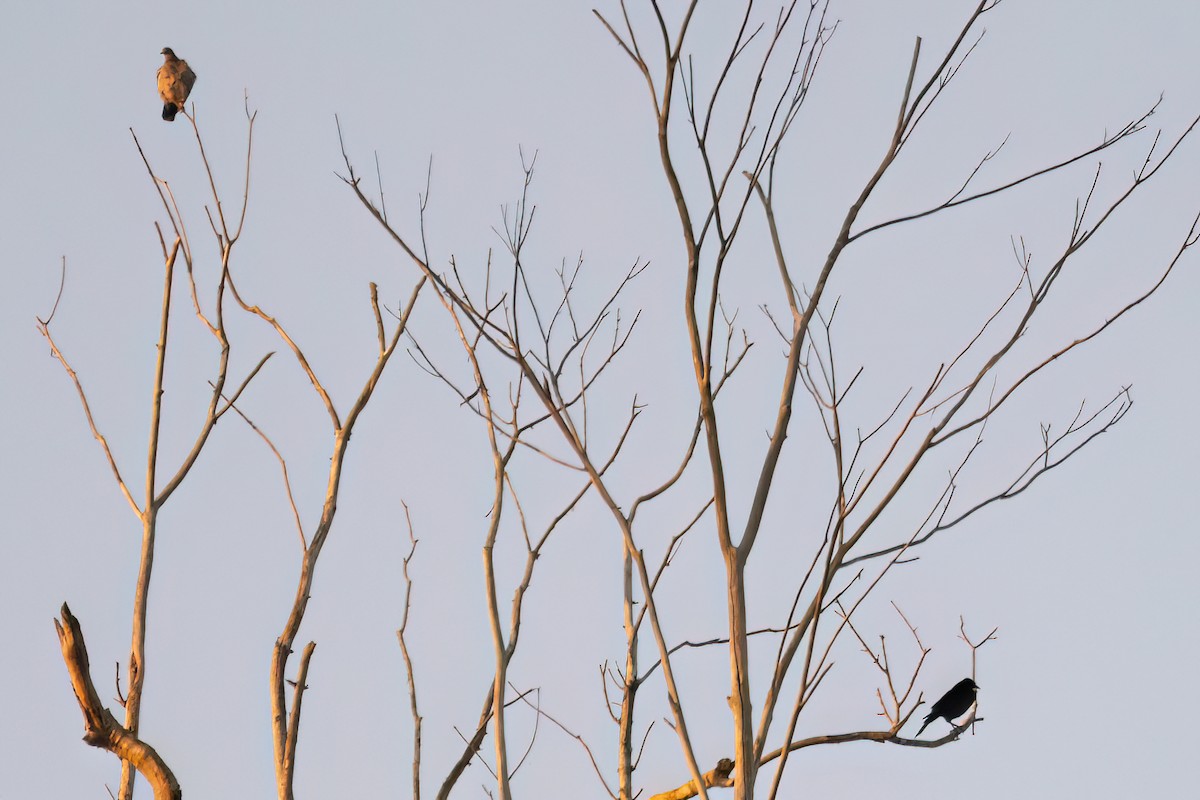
point(103, 730)
point(718, 179)
point(532, 355)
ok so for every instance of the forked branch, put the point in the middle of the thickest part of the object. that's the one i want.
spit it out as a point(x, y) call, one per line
point(101, 728)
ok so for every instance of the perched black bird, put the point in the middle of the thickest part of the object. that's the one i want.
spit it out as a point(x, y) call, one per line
point(953, 704)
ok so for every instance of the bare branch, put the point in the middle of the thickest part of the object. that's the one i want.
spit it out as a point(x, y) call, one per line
point(408, 664)
point(719, 776)
point(44, 327)
point(101, 728)
point(298, 687)
point(287, 483)
point(582, 742)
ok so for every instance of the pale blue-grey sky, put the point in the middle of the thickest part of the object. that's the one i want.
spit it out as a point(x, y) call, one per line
point(1089, 575)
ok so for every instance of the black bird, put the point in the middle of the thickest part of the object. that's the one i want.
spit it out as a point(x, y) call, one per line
point(953, 704)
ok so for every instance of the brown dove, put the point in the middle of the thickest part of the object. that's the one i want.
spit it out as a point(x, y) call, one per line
point(175, 79)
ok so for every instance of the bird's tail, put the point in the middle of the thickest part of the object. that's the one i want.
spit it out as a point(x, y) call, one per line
point(928, 720)
point(169, 112)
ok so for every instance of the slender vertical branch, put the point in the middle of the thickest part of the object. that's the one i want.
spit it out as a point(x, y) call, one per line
point(630, 682)
point(408, 663)
point(141, 596)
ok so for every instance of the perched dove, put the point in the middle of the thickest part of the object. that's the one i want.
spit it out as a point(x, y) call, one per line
point(175, 79)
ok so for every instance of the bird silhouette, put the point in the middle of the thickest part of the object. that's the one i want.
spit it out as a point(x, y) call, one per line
point(953, 703)
point(175, 81)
